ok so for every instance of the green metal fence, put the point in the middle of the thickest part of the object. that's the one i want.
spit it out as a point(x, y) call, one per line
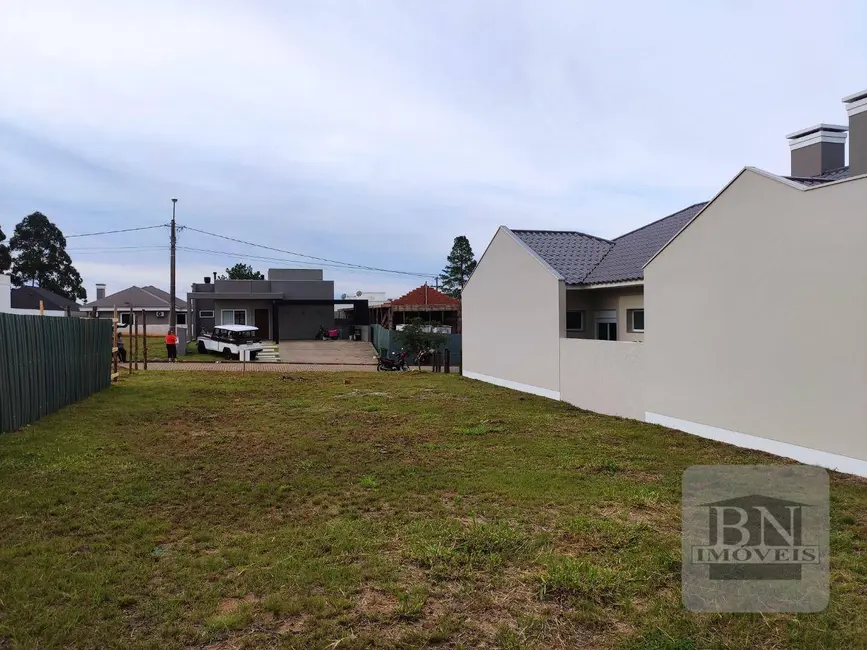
point(48, 362)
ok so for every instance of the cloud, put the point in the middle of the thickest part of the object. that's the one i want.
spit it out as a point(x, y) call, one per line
point(375, 132)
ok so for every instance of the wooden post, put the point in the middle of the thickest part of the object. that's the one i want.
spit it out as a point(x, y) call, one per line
point(114, 347)
point(135, 327)
point(447, 361)
point(130, 351)
point(144, 338)
point(41, 308)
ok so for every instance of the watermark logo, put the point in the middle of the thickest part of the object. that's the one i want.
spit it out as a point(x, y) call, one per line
point(755, 538)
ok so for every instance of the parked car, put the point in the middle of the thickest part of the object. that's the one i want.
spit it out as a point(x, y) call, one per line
point(231, 341)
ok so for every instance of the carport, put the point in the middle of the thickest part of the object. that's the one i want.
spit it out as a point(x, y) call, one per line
point(301, 318)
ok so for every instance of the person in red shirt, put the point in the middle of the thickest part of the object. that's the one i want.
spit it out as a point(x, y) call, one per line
point(172, 346)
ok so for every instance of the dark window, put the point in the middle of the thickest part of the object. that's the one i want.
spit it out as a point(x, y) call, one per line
point(181, 317)
point(606, 331)
point(637, 320)
point(206, 313)
point(125, 318)
point(575, 320)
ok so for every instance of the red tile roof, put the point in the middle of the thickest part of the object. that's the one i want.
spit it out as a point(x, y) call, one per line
point(426, 295)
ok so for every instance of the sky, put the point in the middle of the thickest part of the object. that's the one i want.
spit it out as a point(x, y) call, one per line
point(376, 131)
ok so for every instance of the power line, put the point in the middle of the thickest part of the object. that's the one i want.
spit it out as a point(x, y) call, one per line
point(262, 258)
point(112, 232)
point(312, 257)
point(108, 249)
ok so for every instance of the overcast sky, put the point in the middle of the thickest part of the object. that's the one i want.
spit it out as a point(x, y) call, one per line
point(376, 131)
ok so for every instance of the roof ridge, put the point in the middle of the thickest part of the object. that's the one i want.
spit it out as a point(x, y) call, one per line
point(668, 216)
point(564, 232)
point(153, 295)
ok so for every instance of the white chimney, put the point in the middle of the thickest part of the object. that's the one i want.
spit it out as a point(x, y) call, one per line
point(856, 107)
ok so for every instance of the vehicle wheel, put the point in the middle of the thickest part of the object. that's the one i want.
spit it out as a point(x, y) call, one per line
point(227, 353)
point(201, 347)
point(379, 367)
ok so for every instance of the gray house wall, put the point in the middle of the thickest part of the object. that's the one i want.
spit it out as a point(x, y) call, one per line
point(303, 321)
point(296, 275)
point(304, 289)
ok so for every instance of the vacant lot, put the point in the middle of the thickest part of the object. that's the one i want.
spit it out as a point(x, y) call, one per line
point(367, 510)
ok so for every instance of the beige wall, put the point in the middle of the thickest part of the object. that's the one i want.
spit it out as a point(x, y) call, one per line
point(513, 318)
point(603, 376)
point(757, 316)
point(619, 299)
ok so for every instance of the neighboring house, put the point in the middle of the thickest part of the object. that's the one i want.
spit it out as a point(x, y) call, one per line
point(26, 301)
point(754, 304)
point(290, 304)
point(154, 301)
point(425, 302)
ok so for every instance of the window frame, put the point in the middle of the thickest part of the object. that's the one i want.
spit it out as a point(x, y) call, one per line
point(583, 320)
point(178, 316)
point(233, 312)
point(631, 320)
point(203, 313)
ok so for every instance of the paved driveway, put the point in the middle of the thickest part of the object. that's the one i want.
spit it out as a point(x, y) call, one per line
point(352, 353)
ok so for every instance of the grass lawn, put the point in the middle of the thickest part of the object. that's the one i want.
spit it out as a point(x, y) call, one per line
point(157, 350)
point(330, 510)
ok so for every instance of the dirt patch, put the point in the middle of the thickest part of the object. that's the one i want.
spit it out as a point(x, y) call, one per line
point(374, 603)
point(364, 393)
point(294, 625)
point(228, 605)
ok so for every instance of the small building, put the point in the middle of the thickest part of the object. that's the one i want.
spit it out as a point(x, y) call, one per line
point(290, 304)
point(425, 302)
point(154, 301)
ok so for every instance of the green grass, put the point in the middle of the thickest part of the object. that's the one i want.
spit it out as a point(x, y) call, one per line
point(195, 510)
point(156, 350)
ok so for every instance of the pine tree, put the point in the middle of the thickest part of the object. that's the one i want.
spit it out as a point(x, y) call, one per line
point(460, 264)
point(41, 258)
point(242, 271)
point(5, 257)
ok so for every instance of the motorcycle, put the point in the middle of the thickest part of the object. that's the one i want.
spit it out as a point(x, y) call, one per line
point(398, 364)
point(324, 334)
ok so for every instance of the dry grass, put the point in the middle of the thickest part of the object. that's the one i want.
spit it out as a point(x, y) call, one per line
point(399, 511)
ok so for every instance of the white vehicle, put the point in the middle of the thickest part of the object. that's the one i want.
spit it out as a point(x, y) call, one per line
point(232, 341)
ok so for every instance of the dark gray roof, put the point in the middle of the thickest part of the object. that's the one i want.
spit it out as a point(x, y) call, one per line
point(148, 297)
point(821, 179)
point(572, 254)
point(29, 297)
point(585, 259)
point(626, 260)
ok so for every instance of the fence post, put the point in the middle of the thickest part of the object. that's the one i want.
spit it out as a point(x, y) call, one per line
point(144, 338)
point(131, 348)
point(114, 347)
point(447, 361)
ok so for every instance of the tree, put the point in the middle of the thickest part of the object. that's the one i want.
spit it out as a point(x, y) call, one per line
point(460, 264)
point(5, 257)
point(40, 257)
point(418, 338)
point(242, 272)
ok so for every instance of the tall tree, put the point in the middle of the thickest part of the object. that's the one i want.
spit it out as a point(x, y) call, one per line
point(242, 272)
point(5, 257)
point(40, 257)
point(459, 265)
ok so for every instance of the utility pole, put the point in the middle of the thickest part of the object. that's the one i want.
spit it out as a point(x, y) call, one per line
point(173, 319)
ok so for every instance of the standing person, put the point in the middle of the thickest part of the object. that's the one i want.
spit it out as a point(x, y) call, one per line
point(121, 350)
point(172, 346)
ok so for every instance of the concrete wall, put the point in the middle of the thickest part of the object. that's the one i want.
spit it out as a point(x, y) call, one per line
point(513, 318)
point(5, 293)
point(617, 299)
point(756, 316)
point(603, 376)
point(305, 289)
point(295, 274)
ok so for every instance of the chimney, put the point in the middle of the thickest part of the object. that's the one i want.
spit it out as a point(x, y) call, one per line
point(817, 149)
point(856, 107)
point(207, 279)
point(100, 291)
point(215, 276)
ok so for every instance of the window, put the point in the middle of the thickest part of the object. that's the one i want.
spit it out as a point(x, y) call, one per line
point(125, 318)
point(606, 331)
point(234, 317)
point(206, 313)
point(636, 320)
point(181, 318)
point(575, 321)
